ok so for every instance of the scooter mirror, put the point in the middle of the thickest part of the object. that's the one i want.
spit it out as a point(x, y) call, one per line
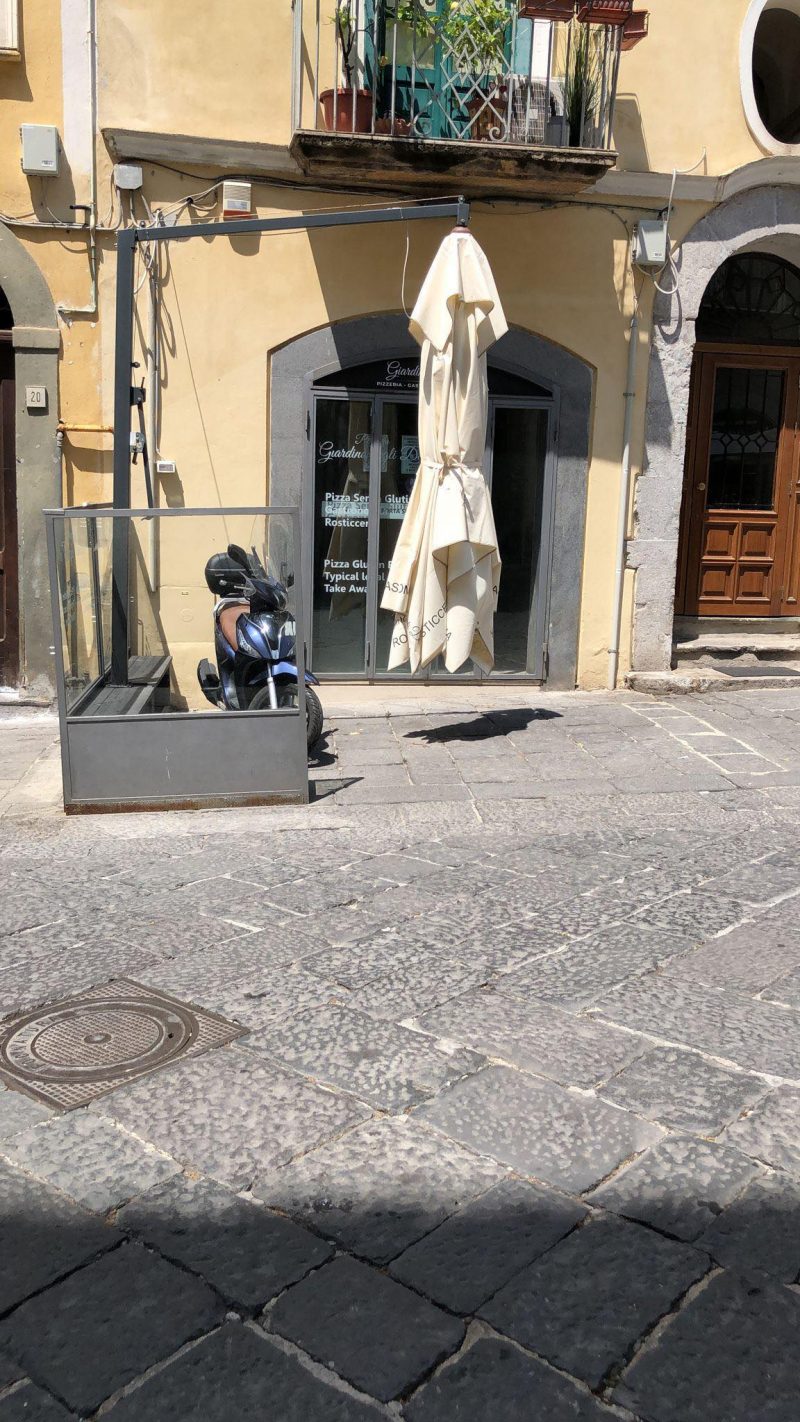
point(239, 556)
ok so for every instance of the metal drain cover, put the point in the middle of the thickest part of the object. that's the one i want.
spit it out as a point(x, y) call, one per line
point(73, 1051)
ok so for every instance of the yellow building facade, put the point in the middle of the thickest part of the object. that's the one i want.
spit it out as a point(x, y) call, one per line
point(278, 368)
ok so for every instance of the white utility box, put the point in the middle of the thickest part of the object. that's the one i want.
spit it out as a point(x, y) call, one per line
point(39, 149)
point(652, 243)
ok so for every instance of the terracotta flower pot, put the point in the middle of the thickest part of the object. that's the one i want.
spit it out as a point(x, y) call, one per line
point(399, 128)
point(546, 9)
point(337, 110)
point(635, 28)
point(605, 12)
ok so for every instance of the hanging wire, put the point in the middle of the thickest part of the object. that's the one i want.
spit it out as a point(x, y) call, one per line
point(405, 269)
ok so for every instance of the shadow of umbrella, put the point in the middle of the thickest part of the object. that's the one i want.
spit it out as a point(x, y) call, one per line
point(487, 726)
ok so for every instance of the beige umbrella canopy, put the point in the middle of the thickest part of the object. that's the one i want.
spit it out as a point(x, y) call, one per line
point(445, 571)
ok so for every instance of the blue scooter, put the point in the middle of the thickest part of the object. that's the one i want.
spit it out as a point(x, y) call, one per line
point(255, 642)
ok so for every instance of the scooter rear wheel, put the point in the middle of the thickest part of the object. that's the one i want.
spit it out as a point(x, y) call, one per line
point(287, 696)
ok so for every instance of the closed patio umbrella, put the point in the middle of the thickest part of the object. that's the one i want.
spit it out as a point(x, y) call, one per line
point(445, 572)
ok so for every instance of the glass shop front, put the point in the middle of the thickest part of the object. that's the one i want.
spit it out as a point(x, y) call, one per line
point(363, 433)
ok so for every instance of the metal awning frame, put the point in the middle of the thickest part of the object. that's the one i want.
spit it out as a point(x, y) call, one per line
point(125, 396)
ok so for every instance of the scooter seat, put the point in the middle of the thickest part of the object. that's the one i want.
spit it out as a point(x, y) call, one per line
point(228, 618)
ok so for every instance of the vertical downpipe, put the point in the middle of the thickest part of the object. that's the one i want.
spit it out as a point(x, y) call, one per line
point(624, 501)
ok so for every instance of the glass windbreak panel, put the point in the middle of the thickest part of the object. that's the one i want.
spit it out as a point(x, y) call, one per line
point(518, 463)
point(342, 452)
point(211, 614)
point(399, 465)
point(747, 419)
point(83, 562)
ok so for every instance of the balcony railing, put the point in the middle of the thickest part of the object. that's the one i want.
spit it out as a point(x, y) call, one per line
point(458, 71)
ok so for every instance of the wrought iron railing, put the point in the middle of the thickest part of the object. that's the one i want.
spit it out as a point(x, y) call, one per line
point(536, 73)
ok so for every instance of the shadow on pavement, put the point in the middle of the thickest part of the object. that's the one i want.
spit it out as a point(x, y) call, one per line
point(485, 726)
point(519, 1304)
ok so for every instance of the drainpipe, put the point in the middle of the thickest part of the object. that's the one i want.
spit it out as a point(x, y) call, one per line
point(151, 414)
point(67, 312)
point(624, 501)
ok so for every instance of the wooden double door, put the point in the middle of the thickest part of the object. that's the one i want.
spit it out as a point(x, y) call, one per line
point(740, 524)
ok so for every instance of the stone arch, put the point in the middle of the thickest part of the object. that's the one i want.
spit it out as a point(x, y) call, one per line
point(294, 366)
point(36, 341)
point(762, 219)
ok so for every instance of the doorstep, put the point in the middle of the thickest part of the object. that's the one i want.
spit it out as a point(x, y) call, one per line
point(684, 680)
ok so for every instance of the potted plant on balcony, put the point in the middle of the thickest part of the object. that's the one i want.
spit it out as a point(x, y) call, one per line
point(349, 108)
point(582, 89)
point(546, 9)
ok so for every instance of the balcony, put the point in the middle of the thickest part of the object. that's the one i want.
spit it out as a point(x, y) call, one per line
point(496, 98)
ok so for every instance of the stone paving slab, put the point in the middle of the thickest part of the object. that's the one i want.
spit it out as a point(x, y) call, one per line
point(30, 1404)
point(591, 1298)
point(476, 1251)
point(493, 1379)
point(247, 1253)
point(755, 1035)
point(785, 989)
point(241, 984)
point(97, 1330)
point(366, 1327)
point(381, 1063)
point(770, 1131)
point(416, 983)
point(759, 1233)
point(683, 1091)
point(234, 1374)
point(186, 1112)
point(42, 1236)
point(729, 1356)
point(583, 972)
point(90, 1159)
point(381, 1187)
point(536, 1127)
point(18, 1113)
point(679, 1186)
point(537, 1038)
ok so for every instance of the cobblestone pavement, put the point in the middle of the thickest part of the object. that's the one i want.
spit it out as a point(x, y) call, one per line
point(512, 1130)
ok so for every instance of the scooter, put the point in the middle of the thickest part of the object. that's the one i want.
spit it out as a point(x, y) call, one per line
point(254, 642)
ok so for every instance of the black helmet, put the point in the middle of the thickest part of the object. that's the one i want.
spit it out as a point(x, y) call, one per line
point(225, 578)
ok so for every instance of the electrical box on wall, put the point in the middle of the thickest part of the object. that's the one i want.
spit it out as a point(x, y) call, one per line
point(651, 248)
point(128, 176)
point(237, 200)
point(39, 149)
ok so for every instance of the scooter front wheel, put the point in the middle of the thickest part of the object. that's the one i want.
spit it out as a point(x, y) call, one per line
point(287, 697)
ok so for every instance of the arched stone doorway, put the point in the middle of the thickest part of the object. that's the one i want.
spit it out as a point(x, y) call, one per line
point(739, 546)
point(761, 220)
point(31, 320)
point(298, 370)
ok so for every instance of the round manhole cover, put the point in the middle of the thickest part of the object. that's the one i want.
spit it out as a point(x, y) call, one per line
point(96, 1040)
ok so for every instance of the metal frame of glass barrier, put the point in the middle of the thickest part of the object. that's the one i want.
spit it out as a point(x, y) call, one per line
point(173, 759)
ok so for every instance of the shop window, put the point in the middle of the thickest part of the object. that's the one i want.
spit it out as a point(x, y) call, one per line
point(363, 431)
